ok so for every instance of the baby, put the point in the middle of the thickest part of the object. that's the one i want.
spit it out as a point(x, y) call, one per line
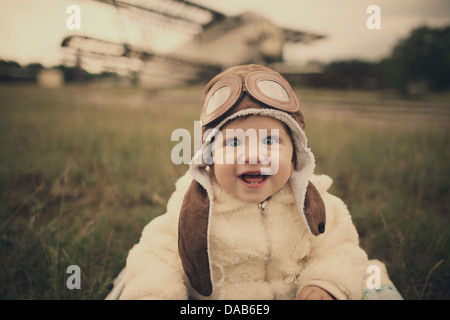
point(249, 220)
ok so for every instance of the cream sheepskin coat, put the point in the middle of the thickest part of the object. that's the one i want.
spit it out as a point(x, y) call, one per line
point(254, 255)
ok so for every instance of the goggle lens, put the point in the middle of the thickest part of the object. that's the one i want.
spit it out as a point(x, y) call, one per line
point(273, 90)
point(218, 99)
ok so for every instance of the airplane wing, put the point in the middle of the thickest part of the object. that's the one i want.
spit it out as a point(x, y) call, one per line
point(173, 11)
point(187, 16)
point(296, 36)
point(96, 46)
point(156, 65)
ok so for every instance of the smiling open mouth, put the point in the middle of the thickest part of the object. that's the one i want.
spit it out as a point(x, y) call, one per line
point(253, 178)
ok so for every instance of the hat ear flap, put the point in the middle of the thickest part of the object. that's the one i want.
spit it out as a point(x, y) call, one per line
point(193, 238)
point(314, 210)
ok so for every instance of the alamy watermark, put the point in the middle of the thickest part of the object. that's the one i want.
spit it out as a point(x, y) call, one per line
point(374, 20)
point(236, 146)
point(74, 19)
point(74, 280)
point(374, 279)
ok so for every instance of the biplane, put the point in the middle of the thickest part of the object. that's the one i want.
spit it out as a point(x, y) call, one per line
point(214, 42)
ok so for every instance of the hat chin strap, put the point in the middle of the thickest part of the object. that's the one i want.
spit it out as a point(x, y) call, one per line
point(193, 244)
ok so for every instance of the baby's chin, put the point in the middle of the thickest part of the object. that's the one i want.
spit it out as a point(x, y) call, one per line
point(256, 197)
point(252, 200)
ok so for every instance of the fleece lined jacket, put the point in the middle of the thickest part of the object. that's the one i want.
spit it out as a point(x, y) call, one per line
point(260, 251)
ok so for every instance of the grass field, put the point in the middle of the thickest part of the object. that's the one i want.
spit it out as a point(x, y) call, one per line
point(83, 169)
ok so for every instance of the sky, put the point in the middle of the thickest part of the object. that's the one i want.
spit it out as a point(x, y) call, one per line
point(32, 30)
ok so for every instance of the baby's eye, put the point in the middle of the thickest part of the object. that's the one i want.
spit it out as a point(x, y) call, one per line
point(270, 140)
point(233, 142)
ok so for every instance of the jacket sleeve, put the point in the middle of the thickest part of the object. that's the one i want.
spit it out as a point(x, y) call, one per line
point(153, 269)
point(336, 263)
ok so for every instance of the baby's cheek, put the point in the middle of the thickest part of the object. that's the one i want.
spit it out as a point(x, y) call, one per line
point(224, 175)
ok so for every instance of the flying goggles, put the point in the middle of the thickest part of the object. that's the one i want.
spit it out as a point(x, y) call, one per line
point(267, 88)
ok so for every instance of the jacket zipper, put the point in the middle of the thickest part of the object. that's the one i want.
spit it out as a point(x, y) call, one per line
point(263, 210)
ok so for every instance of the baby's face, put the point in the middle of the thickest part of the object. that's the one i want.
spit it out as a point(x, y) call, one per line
point(253, 157)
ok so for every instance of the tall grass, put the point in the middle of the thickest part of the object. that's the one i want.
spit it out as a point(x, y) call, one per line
point(83, 169)
point(81, 172)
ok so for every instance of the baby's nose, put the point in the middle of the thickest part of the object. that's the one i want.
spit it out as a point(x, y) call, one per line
point(251, 155)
